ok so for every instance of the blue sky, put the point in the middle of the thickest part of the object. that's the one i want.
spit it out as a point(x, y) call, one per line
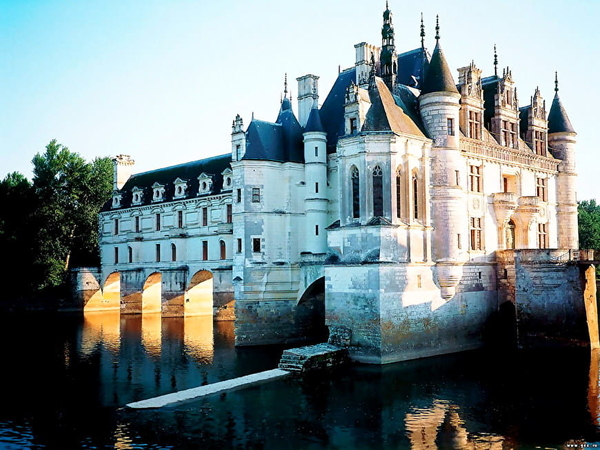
point(163, 80)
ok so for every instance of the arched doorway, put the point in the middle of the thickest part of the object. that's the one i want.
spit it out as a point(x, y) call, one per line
point(310, 313)
point(509, 235)
point(151, 294)
point(199, 295)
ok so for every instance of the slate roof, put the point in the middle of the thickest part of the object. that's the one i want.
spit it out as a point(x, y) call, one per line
point(412, 66)
point(167, 175)
point(385, 115)
point(332, 110)
point(280, 141)
point(558, 120)
point(438, 77)
point(314, 121)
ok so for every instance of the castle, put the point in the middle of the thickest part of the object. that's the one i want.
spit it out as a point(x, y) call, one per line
point(393, 219)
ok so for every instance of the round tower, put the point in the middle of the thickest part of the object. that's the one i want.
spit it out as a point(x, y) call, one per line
point(439, 105)
point(315, 176)
point(561, 141)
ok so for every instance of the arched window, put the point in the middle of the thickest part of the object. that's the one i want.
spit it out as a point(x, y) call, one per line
point(377, 192)
point(355, 192)
point(510, 235)
point(173, 252)
point(398, 194)
point(415, 186)
point(223, 250)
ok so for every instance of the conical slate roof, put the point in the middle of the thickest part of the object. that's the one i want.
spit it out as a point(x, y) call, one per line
point(558, 120)
point(314, 122)
point(438, 77)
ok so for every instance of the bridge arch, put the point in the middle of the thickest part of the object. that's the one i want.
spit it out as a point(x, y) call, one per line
point(152, 293)
point(106, 297)
point(199, 294)
point(310, 312)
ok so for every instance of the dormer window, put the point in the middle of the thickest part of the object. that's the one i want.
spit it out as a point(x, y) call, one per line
point(205, 183)
point(227, 179)
point(180, 188)
point(137, 196)
point(158, 192)
point(116, 200)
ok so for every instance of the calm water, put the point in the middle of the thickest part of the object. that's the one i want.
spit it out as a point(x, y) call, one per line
point(65, 381)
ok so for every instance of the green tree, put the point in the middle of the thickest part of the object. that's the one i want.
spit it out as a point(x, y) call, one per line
point(70, 192)
point(589, 224)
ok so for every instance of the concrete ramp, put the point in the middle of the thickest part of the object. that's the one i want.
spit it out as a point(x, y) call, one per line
point(210, 389)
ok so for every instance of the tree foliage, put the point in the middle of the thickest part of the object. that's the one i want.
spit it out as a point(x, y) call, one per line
point(51, 223)
point(589, 224)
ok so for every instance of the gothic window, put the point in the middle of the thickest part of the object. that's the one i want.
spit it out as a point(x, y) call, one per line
point(542, 189)
point(255, 195)
point(355, 176)
point(223, 249)
point(129, 254)
point(229, 214)
point(173, 252)
point(204, 250)
point(398, 194)
point(475, 184)
point(542, 235)
point(475, 229)
point(377, 192)
point(415, 186)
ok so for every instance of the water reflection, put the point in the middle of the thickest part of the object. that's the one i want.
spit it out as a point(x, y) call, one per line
point(593, 391)
point(101, 328)
point(152, 334)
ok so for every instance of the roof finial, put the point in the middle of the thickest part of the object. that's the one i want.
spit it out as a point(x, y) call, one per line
point(556, 82)
point(386, 4)
point(437, 27)
point(495, 62)
point(422, 33)
point(285, 91)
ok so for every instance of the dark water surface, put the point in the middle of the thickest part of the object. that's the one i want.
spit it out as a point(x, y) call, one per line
point(66, 379)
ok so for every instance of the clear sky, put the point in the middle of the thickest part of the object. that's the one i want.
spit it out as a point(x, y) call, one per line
point(162, 80)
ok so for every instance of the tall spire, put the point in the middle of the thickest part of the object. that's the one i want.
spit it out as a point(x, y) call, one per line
point(437, 28)
point(495, 62)
point(556, 83)
point(286, 101)
point(285, 90)
point(422, 33)
point(388, 58)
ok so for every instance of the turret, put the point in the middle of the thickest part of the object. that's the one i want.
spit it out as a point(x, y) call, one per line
point(315, 176)
point(439, 107)
point(561, 141)
point(238, 139)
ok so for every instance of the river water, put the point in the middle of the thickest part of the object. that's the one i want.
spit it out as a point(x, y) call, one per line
point(65, 381)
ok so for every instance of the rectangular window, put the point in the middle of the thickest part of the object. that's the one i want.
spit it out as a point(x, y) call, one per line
point(239, 195)
point(450, 126)
point(137, 224)
point(316, 188)
point(173, 252)
point(204, 217)
point(157, 252)
point(180, 219)
point(457, 176)
point(116, 255)
point(256, 245)
point(204, 250)
point(316, 230)
point(316, 151)
point(229, 213)
point(238, 152)
point(158, 222)
point(542, 189)
point(255, 195)
point(476, 243)
point(239, 245)
point(116, 226)
point(475, 184)
point(458, 241)
point(353, 126)
point(130, 254)
point(474, 125)
point(542, 236)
